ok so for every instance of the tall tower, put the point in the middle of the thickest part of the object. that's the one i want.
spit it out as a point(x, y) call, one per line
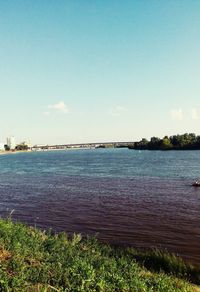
point(11, 142)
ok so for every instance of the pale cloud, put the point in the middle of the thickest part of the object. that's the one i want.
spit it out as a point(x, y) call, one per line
point(60, 107)
point(194, 114)
point(46, 113)
point(117, 110)
point(176, 114)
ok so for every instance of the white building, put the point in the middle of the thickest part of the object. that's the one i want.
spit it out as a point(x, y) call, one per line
point(2, 148)
point(11, 142)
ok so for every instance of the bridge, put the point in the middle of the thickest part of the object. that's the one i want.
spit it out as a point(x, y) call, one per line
point(83, 145)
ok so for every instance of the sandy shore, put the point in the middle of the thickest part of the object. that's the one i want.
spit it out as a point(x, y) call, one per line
point(13, 152)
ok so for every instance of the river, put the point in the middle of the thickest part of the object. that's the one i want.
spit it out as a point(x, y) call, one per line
point(126, 197)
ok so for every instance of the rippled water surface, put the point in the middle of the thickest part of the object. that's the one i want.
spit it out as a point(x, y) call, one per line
point(140, 198)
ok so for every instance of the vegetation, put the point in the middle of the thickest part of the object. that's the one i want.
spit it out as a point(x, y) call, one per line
point(34, 260)
point(176, 142)
point(22, 146)
point(7, 148)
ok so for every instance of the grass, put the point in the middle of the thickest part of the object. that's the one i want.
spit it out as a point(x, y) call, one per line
point(35, 260)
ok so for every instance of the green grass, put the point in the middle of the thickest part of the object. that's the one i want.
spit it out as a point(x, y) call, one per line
point(34, 260)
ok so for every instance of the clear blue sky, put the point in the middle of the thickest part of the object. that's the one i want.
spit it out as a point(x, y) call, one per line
point(99, 70)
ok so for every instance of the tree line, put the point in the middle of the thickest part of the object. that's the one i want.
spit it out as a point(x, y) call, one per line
point(21, 146)
point(187, 141)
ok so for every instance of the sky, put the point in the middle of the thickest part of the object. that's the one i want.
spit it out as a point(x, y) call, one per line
point(74, 71)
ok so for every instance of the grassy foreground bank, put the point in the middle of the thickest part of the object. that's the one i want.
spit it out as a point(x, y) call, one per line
point(34, 260)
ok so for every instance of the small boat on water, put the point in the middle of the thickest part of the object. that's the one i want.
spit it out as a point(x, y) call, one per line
point(196, 184)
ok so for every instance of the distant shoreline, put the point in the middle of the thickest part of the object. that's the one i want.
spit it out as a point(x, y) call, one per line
point(14, 152)
point(68, 149)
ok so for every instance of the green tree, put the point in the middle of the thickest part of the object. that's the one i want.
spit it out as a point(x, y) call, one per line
point(166, 144)
point(22, 146)
point(7, 148)
point(155, 143)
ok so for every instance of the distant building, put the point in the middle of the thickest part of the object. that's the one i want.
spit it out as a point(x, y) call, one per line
point(28, 143)
point(2, 148)
point(11, 142)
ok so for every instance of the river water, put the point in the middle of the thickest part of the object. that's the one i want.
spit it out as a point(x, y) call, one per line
point(127, 197)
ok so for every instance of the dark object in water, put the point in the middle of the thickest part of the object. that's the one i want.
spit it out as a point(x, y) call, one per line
point(196, 184)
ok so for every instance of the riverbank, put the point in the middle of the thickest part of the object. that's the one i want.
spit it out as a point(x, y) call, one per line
point(14, 152)
point(34, 259)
